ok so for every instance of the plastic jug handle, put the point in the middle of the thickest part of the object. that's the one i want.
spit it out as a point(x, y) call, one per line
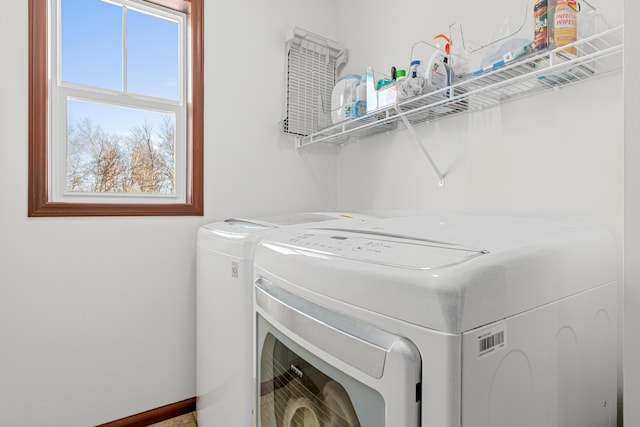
point(447, 46)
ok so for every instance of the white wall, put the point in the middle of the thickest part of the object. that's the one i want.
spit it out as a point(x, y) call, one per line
point(96, 314)
point(500, 160)
point(632, 217)
point(249, 162)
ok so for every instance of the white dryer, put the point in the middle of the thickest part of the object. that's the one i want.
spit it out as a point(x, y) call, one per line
point(224, 330)
point(456, 321)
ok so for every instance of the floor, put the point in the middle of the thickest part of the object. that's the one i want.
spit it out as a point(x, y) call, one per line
point(187, 420)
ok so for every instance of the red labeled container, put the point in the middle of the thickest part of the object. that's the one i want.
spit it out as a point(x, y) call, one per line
point(540, 25)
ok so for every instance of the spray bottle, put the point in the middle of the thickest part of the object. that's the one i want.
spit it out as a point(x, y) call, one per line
point(439, 72)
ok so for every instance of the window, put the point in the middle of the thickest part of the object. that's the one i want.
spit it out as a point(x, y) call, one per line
point(115, 107)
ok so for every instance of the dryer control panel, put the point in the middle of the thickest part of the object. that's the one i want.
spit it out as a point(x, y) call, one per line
point(382, 249)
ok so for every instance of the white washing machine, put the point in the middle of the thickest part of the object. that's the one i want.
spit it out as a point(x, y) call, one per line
point(437, 321)
point(224, 330)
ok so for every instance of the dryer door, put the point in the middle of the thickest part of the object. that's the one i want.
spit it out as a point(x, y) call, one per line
point(319, 368)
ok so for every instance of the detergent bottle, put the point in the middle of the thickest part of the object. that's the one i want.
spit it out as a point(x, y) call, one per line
point(439, 71)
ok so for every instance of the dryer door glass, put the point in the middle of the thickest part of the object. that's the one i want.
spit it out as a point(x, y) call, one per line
point(298, 389)
point(321, 367)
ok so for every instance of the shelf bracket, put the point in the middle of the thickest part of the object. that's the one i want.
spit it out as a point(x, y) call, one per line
point(413, 133)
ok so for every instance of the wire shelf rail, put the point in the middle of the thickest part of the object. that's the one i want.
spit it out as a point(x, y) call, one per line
point(598, 55)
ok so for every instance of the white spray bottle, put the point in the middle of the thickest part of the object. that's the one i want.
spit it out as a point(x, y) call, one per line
point(439, 73)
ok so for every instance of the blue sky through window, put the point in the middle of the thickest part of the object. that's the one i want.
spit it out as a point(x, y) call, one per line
point(92, 54)
point(92, 43)
point(152, 55)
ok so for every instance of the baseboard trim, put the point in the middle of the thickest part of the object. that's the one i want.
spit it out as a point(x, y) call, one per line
point(157, 415)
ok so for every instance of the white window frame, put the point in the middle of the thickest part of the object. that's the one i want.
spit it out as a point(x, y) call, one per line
point(60, 92)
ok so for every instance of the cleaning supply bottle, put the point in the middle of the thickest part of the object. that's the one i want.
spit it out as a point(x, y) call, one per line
point(415, 69)
point(540, 25)
point(439, 72)
point(360, 106)
point(566, 25)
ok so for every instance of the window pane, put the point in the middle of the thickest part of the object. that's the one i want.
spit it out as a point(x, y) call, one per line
point(114, 149)
point(92, 43)
point(152, 55)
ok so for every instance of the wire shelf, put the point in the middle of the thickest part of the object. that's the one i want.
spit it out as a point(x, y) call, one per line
point(597, 55)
